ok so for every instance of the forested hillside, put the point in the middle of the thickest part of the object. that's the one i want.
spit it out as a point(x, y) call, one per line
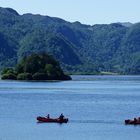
point(79, 48)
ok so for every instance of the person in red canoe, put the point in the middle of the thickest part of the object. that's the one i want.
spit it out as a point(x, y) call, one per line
point(48, 116)
point(61, 117)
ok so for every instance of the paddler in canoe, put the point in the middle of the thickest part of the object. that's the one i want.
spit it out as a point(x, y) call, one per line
point(47, 119)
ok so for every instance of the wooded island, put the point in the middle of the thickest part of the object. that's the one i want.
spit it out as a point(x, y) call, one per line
point(36, 67)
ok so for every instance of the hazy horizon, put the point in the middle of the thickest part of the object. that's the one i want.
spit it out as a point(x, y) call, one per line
point(87, 12)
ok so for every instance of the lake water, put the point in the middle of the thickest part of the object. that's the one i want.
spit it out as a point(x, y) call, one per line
point(95, 105)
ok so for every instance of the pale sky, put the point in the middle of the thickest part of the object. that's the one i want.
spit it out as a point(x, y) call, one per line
point(85, 11)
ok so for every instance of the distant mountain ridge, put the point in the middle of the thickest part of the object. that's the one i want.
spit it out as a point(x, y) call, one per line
point(78, 47)
point(126, 24)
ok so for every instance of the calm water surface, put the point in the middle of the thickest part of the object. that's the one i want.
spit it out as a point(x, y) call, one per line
point(95, 105)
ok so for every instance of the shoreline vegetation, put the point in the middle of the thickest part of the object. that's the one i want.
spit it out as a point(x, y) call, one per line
point(100, 73)
point(36, 67)
point(90, 74)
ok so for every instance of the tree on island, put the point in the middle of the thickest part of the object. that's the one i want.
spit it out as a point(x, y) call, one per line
point(36, 67)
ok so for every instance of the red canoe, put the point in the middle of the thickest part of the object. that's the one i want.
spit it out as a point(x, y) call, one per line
point(133, 122)
point(51, 120)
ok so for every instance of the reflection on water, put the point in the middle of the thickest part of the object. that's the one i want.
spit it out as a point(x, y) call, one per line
point(95, 105)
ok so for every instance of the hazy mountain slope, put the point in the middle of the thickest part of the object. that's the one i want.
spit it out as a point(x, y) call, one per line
point(78, 48)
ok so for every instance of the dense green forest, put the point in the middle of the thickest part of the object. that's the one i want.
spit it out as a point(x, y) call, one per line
point(36, 67)
point(79, 48)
